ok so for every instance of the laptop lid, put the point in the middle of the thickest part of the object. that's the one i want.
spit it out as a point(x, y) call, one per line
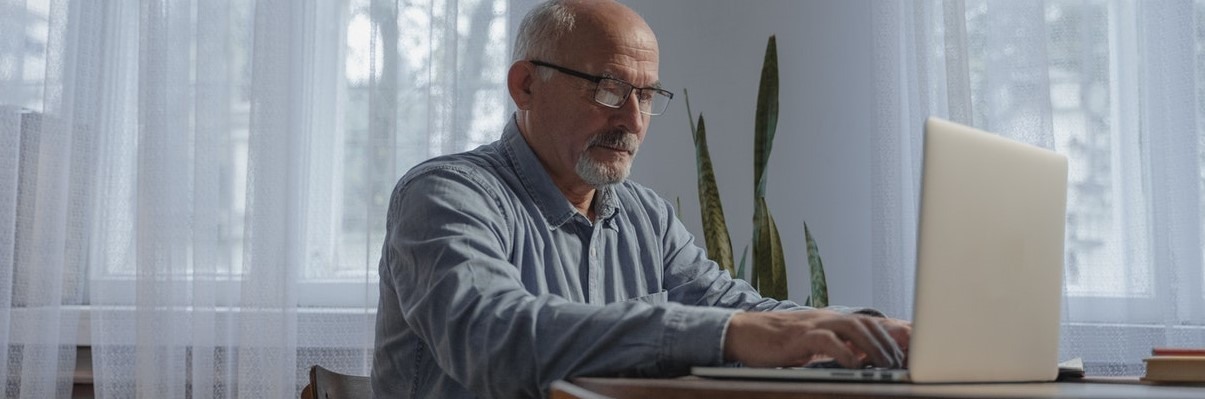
point(989, 262)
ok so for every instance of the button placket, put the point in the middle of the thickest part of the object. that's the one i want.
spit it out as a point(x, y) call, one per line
point(595, 267)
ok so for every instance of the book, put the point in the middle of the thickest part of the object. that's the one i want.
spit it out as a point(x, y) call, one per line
point(1173, 368)
point(1178, 352)
point(1071, 370)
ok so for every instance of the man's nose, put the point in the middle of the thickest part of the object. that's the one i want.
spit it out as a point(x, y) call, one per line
point(630, 116)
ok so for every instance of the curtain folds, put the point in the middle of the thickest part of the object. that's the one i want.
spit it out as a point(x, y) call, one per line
point(196, 189)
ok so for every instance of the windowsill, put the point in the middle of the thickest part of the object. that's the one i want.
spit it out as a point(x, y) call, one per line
point(312, 324)
point(312, 293)
point(1125, 343)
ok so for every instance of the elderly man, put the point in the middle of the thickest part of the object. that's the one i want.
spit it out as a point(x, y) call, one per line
point(532, 259)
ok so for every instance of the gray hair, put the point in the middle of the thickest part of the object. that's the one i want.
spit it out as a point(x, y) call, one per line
point(541, 31)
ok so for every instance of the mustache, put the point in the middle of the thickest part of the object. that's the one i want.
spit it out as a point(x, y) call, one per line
point(617, 139)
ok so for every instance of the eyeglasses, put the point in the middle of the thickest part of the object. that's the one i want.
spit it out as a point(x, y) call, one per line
point(614, 93)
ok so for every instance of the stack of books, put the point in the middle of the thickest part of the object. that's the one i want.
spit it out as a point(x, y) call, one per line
point(1175, 365)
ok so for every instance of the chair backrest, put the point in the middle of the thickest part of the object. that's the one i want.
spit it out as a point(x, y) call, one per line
point(326, 384)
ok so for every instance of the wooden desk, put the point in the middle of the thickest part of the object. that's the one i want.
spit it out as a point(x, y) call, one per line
point(694, 387)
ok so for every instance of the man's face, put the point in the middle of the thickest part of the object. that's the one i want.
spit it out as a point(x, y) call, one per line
point(575, 135)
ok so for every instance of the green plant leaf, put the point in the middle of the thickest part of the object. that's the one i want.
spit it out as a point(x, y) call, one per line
point(766, 118)
point(779, 267)
point(769, 264)
point(689, 114)
point(740, 271)
point(819, 282)
point(715, 227)
point(761, 246)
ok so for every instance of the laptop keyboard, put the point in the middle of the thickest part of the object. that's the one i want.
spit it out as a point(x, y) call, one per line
point(832, 364)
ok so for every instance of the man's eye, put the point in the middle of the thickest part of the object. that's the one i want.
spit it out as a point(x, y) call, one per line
point(609, 97)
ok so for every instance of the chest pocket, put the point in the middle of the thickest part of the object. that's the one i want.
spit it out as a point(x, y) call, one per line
point(659, 298)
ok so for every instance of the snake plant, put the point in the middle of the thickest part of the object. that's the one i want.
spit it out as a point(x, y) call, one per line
point(769, 273)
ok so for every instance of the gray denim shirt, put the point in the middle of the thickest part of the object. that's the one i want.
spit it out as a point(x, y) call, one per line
point(493, 285)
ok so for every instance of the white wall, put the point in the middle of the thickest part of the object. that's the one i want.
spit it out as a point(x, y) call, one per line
point(821, 162)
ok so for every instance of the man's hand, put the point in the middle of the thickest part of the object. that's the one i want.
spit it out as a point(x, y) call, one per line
point(771, 339)
point(900, 331)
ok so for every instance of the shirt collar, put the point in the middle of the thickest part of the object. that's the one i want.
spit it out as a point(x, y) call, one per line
point(535, 179)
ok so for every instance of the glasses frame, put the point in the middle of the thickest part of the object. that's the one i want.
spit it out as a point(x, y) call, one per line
point(597, 80)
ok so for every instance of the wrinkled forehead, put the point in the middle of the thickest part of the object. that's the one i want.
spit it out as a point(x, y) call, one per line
point(624, 48)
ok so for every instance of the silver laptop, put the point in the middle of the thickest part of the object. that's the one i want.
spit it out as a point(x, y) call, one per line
point(989, 266)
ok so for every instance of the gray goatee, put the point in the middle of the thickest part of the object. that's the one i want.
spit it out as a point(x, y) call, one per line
point(600, 174)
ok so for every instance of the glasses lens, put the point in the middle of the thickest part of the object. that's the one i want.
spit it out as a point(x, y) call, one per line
point(612, 93)
point(655, 105)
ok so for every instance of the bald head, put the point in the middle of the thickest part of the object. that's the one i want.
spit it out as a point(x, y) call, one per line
point(557, 26)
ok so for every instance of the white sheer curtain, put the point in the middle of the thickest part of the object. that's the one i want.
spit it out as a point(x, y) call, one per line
point(1119, 87)
point(197, 189)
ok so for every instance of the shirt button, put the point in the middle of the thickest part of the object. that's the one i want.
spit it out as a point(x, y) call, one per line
point(594, 252)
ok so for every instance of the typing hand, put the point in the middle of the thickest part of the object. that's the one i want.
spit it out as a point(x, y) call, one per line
point(899, 330)
point(771, 339)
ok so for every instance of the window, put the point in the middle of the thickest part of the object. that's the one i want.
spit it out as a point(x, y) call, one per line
point(1094, 75)
point(385, 85)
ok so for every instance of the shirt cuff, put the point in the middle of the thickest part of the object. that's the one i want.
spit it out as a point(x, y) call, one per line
point(694, 336)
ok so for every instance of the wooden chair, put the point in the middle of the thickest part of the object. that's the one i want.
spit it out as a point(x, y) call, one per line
point(326, 384)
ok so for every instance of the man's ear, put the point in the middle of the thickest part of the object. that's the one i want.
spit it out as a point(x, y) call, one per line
point(519, 80)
